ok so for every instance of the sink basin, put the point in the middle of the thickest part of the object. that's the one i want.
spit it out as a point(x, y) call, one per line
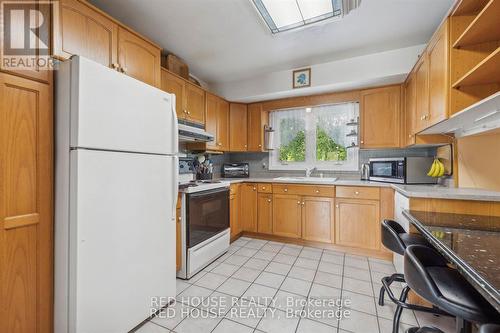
point(312, 180)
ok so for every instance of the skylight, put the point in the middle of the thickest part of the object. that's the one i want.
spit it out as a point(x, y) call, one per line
point(282, 15)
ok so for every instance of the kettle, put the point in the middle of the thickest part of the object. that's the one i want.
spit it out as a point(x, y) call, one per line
point(365, 171)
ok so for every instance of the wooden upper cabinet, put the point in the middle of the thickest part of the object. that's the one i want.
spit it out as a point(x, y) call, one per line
point(211, 111)
point(174, 85)
point(81, 30)
point(257, 118)
point(265, 213)
point(410, 109)
point(238, 127)
point(248, 215)
point(317, 219)
point(422, 93)
point(223, 125)
point(139, 58)
point(380, 117)
point(26, 192)
point(438, 76)
point(287, 215)
point(195, 103)
point(357, 223)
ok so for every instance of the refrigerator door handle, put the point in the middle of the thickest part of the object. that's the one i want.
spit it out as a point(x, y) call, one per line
point(175, 186)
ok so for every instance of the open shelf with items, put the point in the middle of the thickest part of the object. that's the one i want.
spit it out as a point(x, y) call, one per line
point(484, 28)
point(486, 72)
point(468, 7)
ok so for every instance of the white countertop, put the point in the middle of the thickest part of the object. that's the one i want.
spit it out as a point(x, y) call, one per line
point(411, 191)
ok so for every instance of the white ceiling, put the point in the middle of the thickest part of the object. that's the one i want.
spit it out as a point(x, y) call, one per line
point(226, 40)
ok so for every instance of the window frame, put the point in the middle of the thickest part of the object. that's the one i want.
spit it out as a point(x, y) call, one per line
point(310, 158)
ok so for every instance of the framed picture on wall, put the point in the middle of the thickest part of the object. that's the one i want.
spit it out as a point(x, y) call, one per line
point(302, 78)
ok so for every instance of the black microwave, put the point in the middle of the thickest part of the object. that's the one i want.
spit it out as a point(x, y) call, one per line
point(402, 170)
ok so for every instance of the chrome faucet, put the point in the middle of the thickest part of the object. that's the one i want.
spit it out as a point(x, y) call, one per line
point(310, 171)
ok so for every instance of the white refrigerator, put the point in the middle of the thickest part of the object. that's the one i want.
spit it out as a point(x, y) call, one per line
point(116, 191)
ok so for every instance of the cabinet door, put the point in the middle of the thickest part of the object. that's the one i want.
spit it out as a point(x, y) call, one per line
point(235, 210)
point(238, 127)
point(438, 77)
point(174, 85)
point(248, 207)
point(357, 223)
point(380, 117)
point(81, 30)
point(44, 32)
point(139, 58)
point(287, 215)
point(223, 125)
point(255, 127)
point(265, 213)
point(422, 93)
point(410, 108)
point(211, 113)
point(195, 103)
point(26, 227)
point(317, 219)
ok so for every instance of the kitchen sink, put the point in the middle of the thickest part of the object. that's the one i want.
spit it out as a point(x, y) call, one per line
point(312, 180)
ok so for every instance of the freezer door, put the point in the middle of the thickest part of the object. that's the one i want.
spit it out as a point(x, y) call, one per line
point(112, 111)
point(122, 238)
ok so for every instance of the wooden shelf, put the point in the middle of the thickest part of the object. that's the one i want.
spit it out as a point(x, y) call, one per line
point(487, 71)
point(469, 7)
point(484, 28)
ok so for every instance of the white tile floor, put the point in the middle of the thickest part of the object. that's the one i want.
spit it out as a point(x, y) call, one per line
point(271, 274)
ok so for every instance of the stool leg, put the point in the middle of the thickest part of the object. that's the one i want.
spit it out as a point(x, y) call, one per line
point(381, 296)
point(463, 326)
point(399, 310)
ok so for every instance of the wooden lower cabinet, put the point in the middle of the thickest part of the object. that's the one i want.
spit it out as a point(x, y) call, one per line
point(287, 215)
point(248, 204)
point(26, 205)
point(234, 210)
point(357, 223)
point(265, 213)
point(317, 219)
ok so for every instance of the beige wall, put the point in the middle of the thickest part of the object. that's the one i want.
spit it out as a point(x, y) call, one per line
point(479, 161)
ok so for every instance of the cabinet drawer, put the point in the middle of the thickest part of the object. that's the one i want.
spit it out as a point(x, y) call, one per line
point(358, 192)
point(265, 188)
point(310, 190)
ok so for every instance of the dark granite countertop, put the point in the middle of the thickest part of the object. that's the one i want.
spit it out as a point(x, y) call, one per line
point(471, 242)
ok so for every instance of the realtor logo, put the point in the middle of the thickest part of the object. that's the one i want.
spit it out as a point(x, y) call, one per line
point(25, 35)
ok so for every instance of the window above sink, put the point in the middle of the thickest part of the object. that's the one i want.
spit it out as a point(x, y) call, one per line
point(323, 137)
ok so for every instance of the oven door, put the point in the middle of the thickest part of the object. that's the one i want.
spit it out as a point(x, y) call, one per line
point(388, 170)
point(207, 215)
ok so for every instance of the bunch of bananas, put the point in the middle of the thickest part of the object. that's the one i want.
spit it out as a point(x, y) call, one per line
point(437, 169)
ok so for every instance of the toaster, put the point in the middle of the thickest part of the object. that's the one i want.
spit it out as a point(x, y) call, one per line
point(235, 170)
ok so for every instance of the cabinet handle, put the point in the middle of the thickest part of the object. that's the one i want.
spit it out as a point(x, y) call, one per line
point(362, 141)
point(317, 191)
point(269, 200)
point(303, 203)
point(298, 202)
point(260, 146)
point(179, 218)
point(189, 112)
point(409, 135)
point(336, 206)
point(356, 192)
point(263, 187)
point(184, 111)
point(254, 188)
point(220, 144)
point(246, 146)
point(286, 190)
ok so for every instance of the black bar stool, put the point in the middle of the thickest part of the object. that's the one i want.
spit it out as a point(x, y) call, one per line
point(427, 273)
point(396, 239)
point(489, 328)
point(424, 329)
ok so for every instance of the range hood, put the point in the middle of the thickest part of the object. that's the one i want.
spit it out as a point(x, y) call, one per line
point(481, 117)
point(193, 133)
